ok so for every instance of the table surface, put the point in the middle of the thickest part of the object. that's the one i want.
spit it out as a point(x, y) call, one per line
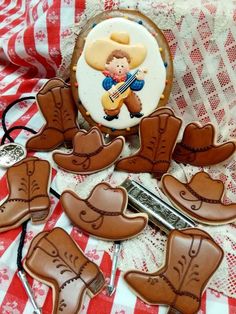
point(30, 53)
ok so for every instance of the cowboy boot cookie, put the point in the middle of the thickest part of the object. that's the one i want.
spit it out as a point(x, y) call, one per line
point(158, 134)
point(28, 182)
point(55, 259)
point(191, 259)
point(56, 103)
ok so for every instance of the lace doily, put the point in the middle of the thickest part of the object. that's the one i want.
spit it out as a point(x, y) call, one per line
point(200, 35)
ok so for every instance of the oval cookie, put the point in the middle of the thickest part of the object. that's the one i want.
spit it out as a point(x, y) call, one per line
point(121, 71)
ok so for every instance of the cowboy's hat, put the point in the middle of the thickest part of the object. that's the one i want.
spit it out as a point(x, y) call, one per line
point(201, 198)
point(102, 214)
point(97, 52)
point(90, 154)
point(197, 146)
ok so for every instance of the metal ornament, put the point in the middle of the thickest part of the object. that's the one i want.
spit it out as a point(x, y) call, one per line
point(11, 153)
point(23, 279)
point(111, 286)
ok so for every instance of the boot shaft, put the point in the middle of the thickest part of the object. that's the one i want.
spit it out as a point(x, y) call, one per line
point(191, 260)
point(28, 179)
point(58, 107)
point(158, 136)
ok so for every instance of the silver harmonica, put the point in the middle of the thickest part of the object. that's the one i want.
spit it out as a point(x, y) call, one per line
point(161, 214)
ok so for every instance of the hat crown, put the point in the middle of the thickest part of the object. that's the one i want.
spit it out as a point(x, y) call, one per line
point(87, 142)
point(207, 187)
point(120, 37)
point(108, 199)
point(197, 136)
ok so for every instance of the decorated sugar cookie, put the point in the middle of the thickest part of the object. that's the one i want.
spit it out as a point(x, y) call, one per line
point(121, 71)
point(103, 213)
point(56, 260)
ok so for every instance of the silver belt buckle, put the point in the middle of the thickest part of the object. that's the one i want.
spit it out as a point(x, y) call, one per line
point(11, 153)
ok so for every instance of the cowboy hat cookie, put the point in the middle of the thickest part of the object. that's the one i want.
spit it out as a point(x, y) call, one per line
point(158, 134)
point(102, 214)
point(125, 60)
point(56, 103)
point(201, 198)
point(90, 154)
point(192, 257)
point(56, 260)
point(197, 146)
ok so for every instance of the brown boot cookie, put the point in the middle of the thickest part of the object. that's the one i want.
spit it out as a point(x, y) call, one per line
point(191, 259)
point(56, 260)
point(158, 134)
point(28, 184)
point(57, 106)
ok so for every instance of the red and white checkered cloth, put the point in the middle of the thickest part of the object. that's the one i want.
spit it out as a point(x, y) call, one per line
point(31, 35)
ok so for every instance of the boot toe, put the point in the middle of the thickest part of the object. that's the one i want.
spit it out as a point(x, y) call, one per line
point(69, 134)
point(134, 164)
point(139, 283)
point(45, 141)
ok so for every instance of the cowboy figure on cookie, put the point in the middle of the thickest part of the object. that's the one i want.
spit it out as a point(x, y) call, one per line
point(115, 57)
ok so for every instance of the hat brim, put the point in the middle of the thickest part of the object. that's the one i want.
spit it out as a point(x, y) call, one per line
point(203, 212)
point(97, 52)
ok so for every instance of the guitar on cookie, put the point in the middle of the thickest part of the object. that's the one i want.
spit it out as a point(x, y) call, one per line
point(114, 97)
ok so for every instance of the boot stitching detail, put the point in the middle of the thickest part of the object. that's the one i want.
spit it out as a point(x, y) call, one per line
point(22, 200)
point(177, 292)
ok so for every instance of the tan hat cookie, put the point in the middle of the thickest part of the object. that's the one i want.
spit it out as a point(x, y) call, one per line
point(200, 198)
point(90, 154)
point(198, 148)
point(103, 214)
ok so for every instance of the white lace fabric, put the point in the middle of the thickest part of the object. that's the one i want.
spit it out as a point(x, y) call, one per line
point(201, 36)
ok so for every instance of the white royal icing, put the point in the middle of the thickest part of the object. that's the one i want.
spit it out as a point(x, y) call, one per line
point(90, 80)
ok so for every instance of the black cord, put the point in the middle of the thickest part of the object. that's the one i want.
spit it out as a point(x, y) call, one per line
point(52, 191)
point(6, 111)
point(18, 127)
point(21, 245)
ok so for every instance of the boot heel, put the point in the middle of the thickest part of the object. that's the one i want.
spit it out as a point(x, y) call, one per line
point(173, 311)
point(96, 285)
point(68, 144)
point(38, 217)
point(39, 209)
